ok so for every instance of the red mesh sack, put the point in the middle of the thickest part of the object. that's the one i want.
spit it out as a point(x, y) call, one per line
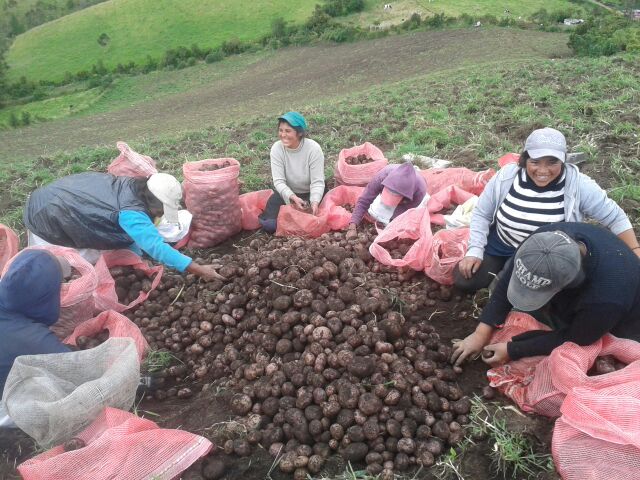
point(131, 164)
point(105, 296)
point(252, 205)
point(439, 178)
point(414, 224)
point(212, 195)
point(508, 158)
point(118, 326)
point(331, 214)
point(359, 175)
point(9, 244)
point(448, 246)
point(123, 446)
point(76, 296)
point(446, 198)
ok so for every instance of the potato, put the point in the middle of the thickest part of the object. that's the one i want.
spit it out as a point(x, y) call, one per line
point(241, 404)
point(74, 444)
point(355, 452)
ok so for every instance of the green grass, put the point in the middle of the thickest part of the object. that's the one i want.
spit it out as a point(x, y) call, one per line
point(138, 28)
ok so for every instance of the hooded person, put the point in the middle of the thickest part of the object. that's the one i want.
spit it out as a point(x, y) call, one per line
point(101, 211)
point(29, 305)
point(394, 190)
point(580, 279)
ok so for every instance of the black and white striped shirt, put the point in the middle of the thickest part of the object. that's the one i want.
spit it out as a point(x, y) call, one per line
point(528, 207)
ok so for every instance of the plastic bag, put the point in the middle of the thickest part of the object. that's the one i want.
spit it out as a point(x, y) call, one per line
point(9, 244)
point(120, 445)
point(473, 182)
point(76, 296)
point(448, 246)
point(252, 205)
point(212, 195)
point(414, 224)
point(359, 175)
point(331, 214)
point(118, 325)
point(52, 397)
point(461, 216)
point(174, 232)
point(131, 164)
point(105, 297)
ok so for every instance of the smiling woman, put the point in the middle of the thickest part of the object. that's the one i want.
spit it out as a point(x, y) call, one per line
point(541, 189)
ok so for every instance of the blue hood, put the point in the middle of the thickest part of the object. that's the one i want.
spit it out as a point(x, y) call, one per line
point(31, 287)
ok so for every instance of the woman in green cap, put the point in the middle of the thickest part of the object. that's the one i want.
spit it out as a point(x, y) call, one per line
point(297, 168)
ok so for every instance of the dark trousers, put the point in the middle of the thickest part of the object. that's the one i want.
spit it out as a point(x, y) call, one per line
point(269, 217)
point(489, 269)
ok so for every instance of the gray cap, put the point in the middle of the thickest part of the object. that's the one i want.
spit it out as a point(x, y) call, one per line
point(543, 265)
point(546, 142)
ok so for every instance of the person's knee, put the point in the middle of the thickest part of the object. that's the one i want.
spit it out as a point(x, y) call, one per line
point(466, 285)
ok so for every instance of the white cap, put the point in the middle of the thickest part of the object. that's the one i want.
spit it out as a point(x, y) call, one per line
point(168, 190)
point(546, 142)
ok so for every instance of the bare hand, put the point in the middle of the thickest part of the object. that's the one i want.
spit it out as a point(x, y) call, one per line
point(206, 272)
point(469, 266)
point(297, 202)
point(495, 354)
point(472, 345)
point(314, 208)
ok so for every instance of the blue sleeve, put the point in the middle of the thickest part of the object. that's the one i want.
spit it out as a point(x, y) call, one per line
point(139, 227)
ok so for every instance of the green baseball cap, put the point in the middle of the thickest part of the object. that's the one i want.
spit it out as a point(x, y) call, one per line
point(294, 119)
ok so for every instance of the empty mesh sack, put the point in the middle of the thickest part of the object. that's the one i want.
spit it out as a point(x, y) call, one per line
point(105, 295)
point(359, 175)
point(118, 326)
point(252, 205)
point(448, 246)
point(9, 244)
point(131, 164)
point(120, 446)
point(52, 397)
point(211, 194)
point(76, 295)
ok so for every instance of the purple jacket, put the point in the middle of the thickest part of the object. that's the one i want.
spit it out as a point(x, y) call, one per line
point(401, 178)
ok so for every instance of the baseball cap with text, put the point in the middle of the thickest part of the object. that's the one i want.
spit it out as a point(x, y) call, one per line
point(543, 265)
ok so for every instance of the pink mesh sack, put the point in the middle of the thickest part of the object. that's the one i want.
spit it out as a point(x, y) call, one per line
point(414, 224)
point(252, 205)
point(131, 164)
point(105, 296)
point(118, 326)
point(9, 244)
point(448, 246)
point(359, 175)
point(76, 296)
point(473, 182)
point(444, 199)
point(508, 158)
point(334, 203)
point(120, 445)
point(212, 194)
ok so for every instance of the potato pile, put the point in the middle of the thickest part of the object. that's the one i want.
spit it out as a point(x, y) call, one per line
point(358, 160)
point(129, 283)
point(210, 168)
point(399, 247)
point(324, 351)
point(86, 342)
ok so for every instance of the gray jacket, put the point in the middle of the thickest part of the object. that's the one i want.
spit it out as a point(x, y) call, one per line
point(583, 198)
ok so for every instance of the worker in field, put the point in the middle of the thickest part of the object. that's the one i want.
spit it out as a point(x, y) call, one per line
point(394, 190)
point(297, 169)
point(29, 305)
point(104, 212)
point(580, 279)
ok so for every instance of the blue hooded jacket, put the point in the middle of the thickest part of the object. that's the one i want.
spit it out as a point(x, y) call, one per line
point(29, 305)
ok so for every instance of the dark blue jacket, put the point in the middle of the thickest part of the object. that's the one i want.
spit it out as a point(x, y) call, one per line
point(29, 305)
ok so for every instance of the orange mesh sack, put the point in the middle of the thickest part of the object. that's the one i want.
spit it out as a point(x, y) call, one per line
point(118, 325)
point(473, 182)
point(105, 297)
point(414, 224)
point(252, 205)
point(212, 194)
point(52, 397)
point(76, 296)
point(131, 164)
point(120, 445)
point(9, 244)
point(359, 174)
point(447, 249)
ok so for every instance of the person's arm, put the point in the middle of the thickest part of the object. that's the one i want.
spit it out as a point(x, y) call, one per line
point(371, 191)
point(595, 204)
point(482, 217)
point(143, 232)
point(629, 237)
point(588, 325)
point(278, 173)
point(498, 307)
point(316, 174)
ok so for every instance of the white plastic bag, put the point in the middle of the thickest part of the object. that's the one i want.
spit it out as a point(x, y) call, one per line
point(461, 216)
point(174, 232)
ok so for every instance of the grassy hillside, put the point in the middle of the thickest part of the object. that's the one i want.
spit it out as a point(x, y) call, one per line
point(137, 28)
point(22, 15)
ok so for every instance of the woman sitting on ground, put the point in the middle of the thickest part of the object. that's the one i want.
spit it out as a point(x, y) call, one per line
point(297, 168)
point(541, 189)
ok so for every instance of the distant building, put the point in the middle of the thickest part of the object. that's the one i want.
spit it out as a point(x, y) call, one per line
point(573, 21)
